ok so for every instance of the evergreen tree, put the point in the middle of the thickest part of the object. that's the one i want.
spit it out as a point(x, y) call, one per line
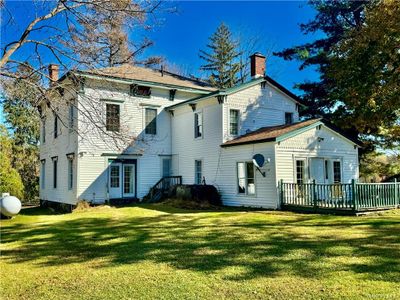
point(222, 59)
point(334, 19)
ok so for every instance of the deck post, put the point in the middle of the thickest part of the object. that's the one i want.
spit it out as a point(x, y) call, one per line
point(281, 192)
point(353, 194)
point(314, 195)
point(396, 193)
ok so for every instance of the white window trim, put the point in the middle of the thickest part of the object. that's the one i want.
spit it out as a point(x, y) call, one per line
point(43, 174)
point(200, 111)
point(144, 120)
point(237, 180)
point(238, 122)
point(119, 103)
point(195, 170)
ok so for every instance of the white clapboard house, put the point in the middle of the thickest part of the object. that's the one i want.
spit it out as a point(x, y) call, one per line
point(185, 128)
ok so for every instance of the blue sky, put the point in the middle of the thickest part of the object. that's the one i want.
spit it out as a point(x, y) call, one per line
point(181, 35)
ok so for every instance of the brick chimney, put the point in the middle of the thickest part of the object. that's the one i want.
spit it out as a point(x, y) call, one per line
point(257, 65)
point(53, 72)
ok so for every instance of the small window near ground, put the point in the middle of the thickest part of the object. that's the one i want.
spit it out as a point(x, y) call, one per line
point(300, 169)
point(198, 124)
point(337, 172)
point(151, 121)
point(70, 173)
point(198, 171)
point(112, 117)
point(288, 118)
point(43, 174)
point(233, 122)
point(246, 178)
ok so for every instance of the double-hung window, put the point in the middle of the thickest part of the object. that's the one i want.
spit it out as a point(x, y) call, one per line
point(70, 173)
point(151, 121)
point(112, 117)
point(198, 171)
point(55, 167)
point(43, 130)
point(198, 125)
point(337, 171)
point(43, 174)
point(55, 126)
point(233, 122)
point(71, 117)
point(300, 171)
point(246, 178)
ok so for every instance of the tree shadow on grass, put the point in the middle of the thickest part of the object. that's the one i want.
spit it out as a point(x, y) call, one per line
point(305, 246)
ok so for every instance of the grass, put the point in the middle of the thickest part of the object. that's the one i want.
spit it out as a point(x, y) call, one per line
point(159, 252)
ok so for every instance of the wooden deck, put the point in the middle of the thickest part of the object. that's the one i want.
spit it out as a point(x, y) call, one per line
point(346, 198)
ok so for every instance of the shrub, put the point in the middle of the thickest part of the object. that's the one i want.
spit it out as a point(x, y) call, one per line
point(202, 194)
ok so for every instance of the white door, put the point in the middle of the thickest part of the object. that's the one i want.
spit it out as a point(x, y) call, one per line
point(129, 180)
point(317, 170)
point(115, 180)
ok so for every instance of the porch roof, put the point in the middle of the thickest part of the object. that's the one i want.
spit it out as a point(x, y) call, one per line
point(280, 133)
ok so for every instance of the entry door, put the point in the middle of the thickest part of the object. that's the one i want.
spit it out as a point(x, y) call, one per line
point(129, 180)
point(317, 170)
point(166, 167)
point(115, 180)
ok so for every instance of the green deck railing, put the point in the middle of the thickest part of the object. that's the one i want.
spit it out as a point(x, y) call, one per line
point(341, 196)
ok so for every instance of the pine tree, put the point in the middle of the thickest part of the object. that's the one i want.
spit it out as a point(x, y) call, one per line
point(222, 60)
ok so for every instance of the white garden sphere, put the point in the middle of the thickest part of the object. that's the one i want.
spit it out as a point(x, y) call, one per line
point(10, 206)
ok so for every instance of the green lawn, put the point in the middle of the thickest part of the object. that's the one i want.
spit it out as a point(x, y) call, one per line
point(156, 252)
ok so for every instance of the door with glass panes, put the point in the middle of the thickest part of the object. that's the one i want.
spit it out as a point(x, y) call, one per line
point(122, 179)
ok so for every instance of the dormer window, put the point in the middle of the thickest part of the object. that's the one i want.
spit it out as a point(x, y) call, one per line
point(172, 95)
point(140, 90)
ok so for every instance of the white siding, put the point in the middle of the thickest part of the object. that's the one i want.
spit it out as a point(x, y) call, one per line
point(266, 193)
point(66, 142)
point(259, 107)
point(147, 149)
point(306, 145)
point(187, 149)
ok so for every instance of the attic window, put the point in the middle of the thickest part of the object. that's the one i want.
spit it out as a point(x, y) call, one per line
point(140, 90)
point(172, 95)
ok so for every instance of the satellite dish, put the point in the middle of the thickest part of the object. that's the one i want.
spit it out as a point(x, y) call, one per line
point(258, 160)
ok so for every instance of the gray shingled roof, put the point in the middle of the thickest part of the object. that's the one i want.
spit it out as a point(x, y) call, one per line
point(127, 71)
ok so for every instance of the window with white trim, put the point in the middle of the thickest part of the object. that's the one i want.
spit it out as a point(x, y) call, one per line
point(233, 122)
point(55, 126)
point(71, 117)
point(70, 173)
point(198, 124)
point(288, 118)
point(151, 121)
point(337, 171)
point(55, 167)
point(112, 117)
point(246, 178)
point(198, 171)
point(300, 171)
point(43, 174)
point(43, 130)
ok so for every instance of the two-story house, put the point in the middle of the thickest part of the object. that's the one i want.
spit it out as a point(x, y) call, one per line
point(179, 126)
